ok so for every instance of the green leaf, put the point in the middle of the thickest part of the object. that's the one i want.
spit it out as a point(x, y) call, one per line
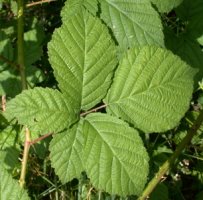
point(73, 7)
point(33, 45)
point(66, 153)
point(9, 188)
point(134, 23)
point(166, 5)
point(8, 137)
point(83, 57)
point(115, 158)
point(6, 50)
point(43, 110)
point(10, 84)
point(10, 158)
point(151, 89)
point(188, 49)
point(9, 74)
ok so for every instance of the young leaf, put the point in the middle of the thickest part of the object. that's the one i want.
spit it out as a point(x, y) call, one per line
point(134, 23)
point(66, 153)
point(73, 7)
point(166, 5)
point(115, 158)
point(151, 89)
point(83, 57)
point(9, 188)
point(44, 110)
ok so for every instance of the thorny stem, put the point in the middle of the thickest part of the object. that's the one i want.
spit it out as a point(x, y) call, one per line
point(166, 166)
point(21, 64)
point(28, 143)
point(25, 157)
point(93, 110)
point(20, 43)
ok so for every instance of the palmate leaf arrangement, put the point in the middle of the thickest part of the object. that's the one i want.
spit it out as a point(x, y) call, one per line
point(140, 86)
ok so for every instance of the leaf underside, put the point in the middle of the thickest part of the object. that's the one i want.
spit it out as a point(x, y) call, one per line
point(66, 153)
point(83, 57)
point(115, 158)
point(42, 109)
point(151, 89)
point(134, 23)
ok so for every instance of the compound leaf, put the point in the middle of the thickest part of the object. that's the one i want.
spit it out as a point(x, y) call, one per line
point(42, 109)
point(151, 89)
point(66, 153)
point(10, 188)
point(83, 57)
point(134, 23)
point(115, 158)
point(166, 5)
point(73, 7)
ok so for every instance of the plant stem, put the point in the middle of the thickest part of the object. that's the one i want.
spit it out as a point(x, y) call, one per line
point(20, 43)
point(165, 167)
point(93, 110)
point(40, 138)
point(25, 157)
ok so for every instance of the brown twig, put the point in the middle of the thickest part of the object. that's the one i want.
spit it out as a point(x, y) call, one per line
point(93, 110)
point(40, 138)
point(38, 2)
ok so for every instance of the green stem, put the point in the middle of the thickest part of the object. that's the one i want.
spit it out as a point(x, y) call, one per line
point(25, 158)
point(166, 166)
point(20, 43)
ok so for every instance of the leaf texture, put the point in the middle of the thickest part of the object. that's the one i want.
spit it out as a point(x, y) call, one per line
point(43, 110)
point(83, 57)
point(151, 89)
point(9, 188)
point(66, 153)
point(134, 23)
point(115, 158)
point(73, 7)
point(166, 5)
